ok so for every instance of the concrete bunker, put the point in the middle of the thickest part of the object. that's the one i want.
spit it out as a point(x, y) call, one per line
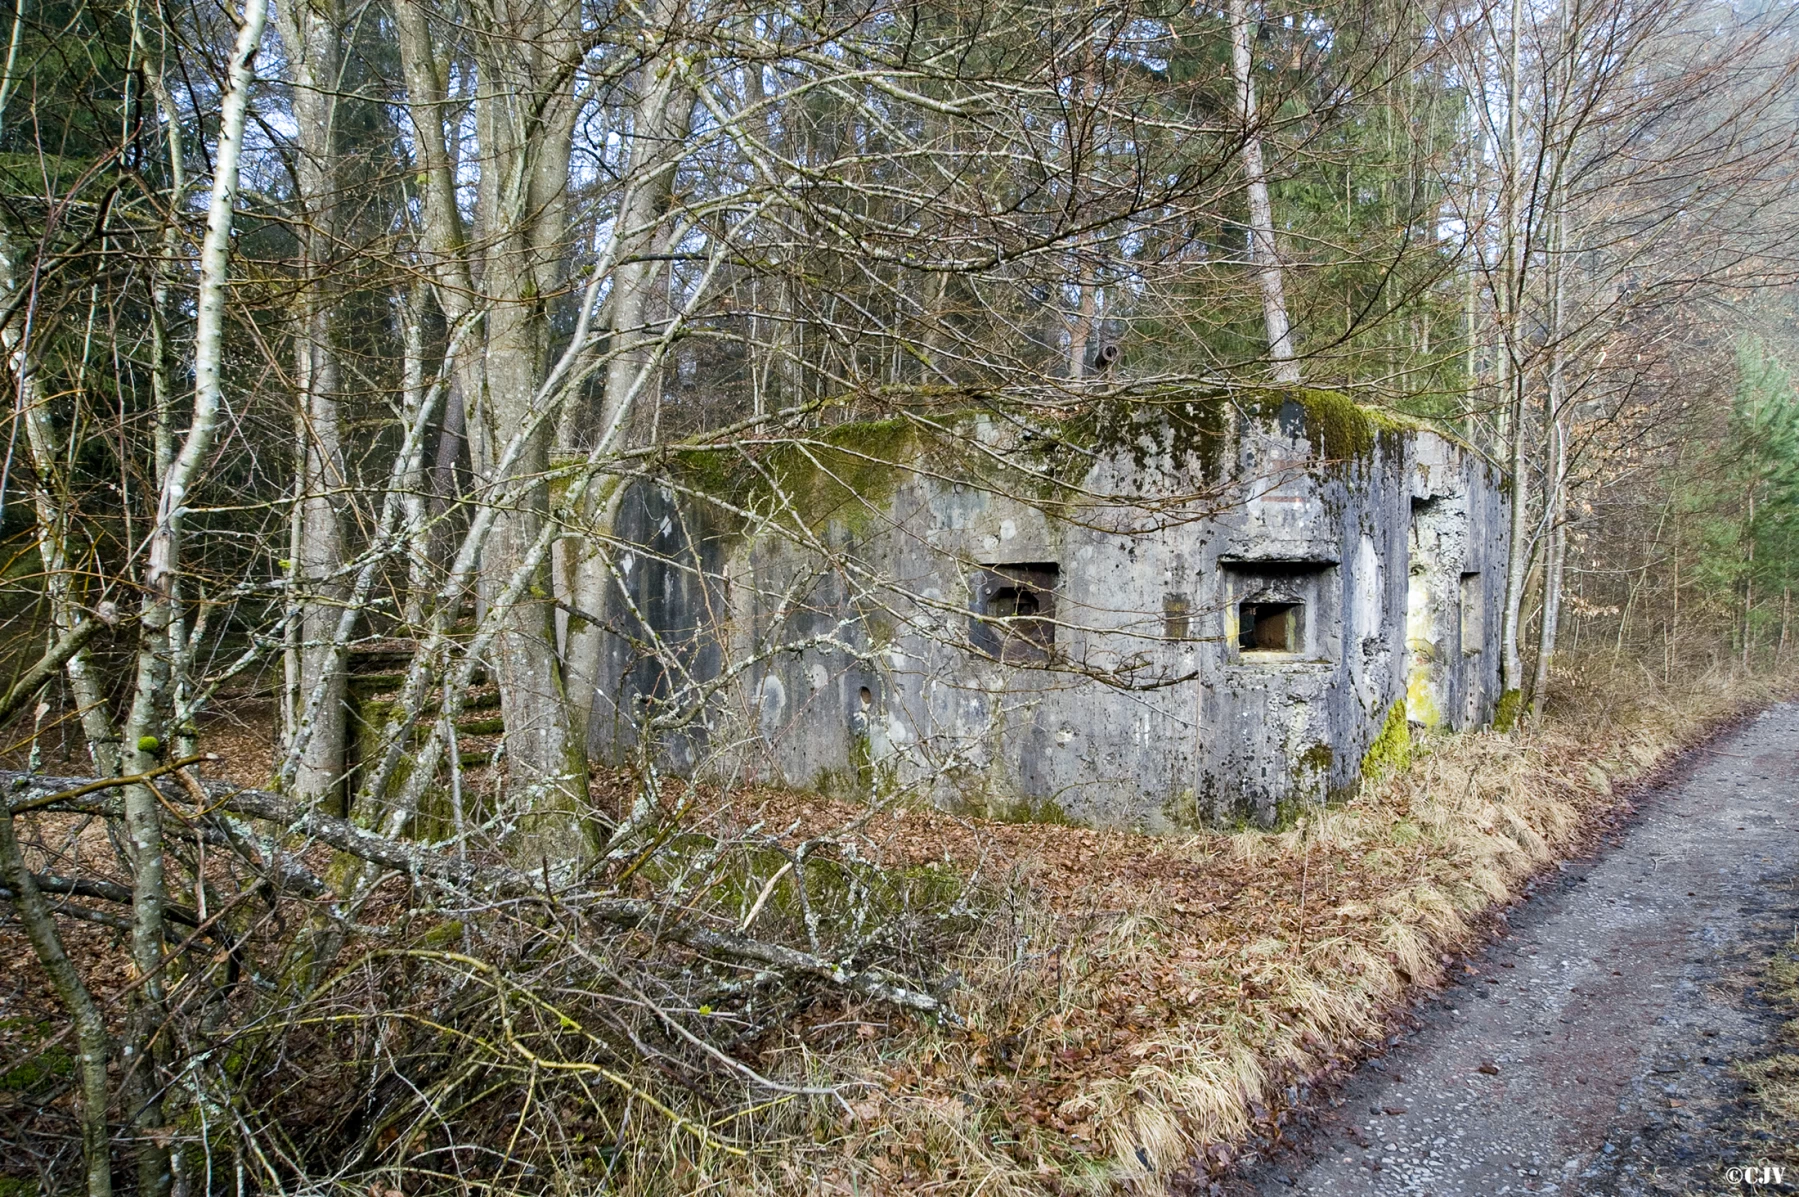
point(1191, 608)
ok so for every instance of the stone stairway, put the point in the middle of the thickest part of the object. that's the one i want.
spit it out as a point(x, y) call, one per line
point(377, 675)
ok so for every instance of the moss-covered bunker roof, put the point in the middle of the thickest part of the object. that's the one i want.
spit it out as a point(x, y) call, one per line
point(845, 472)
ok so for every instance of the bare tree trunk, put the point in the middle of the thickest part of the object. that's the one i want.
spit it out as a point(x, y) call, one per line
point(1555, 476)
point(544, 767)
point(163, 307)
point(1511, 661)
point(91, 1036)
point(1674, 613)
point(660, 120)
point(1263, 253)
point(1555, 516)
point(313, 31)
point(1786, 613)
point(147, 729)
point(444, 249)
point(50, 500)
point(1749, 578)
point(1518, 554)
point(525, 133)
point(413, 482)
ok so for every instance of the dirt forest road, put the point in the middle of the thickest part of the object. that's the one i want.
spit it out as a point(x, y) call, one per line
point(1588, 1050)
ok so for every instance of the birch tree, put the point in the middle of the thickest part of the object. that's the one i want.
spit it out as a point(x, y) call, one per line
point(148, 727)
point(1264, 256)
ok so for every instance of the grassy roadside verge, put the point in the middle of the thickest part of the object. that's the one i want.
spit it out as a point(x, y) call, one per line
point(1773, 1078)
point(1138, 1005)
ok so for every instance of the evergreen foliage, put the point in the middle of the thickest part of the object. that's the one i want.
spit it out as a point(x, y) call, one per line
point(1739, 499)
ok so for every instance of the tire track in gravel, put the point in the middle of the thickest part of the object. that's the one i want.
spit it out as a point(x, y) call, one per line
point(1588, 1050)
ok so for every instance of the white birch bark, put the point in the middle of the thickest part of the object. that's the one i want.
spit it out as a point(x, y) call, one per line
point(1555, 474)
point(415, 509)
point(147, 729)
point(1263, 254)
point(1511, 662)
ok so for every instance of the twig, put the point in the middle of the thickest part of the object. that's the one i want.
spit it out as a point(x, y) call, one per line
point(762, 897)
point(71, 642)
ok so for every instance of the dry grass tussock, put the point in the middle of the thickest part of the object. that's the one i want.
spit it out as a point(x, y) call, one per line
point(1773, 1078)
point(1141, 1005)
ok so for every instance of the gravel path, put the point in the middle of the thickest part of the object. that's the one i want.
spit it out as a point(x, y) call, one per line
point(1588, 1050)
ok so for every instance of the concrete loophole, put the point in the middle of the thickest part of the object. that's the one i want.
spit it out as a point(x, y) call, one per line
point(1270, 627)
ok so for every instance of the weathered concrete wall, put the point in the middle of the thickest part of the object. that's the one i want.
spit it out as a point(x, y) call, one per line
point(1456, 585)
point(879, 640)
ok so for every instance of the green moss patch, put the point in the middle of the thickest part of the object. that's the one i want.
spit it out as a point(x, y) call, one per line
point(1026, 810)
point(1505, 715)
point(1392, 749)
point(51, 1064)
point(845, 473)
point(1339, 428)
point(1190, 428)
point(1318, 758)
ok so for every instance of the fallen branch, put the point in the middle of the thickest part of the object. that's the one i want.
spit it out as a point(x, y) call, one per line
point(86, 914)
point(101, 784)
point(870, 982)
point(70, 643)
point(423, 861)
point(117, 922)
point(106, 891)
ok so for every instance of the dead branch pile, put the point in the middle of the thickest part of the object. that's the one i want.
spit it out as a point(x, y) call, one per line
point(471, 1020)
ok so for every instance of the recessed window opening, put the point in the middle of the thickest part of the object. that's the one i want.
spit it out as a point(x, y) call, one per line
point(1265, 627)
point(1287, 611)
point(1474, 632)
point(1017, 609)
